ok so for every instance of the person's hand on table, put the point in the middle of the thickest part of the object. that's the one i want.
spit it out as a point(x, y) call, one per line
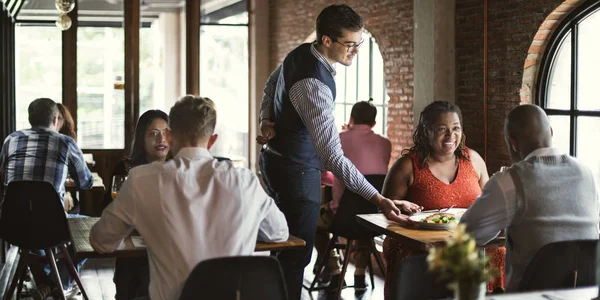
point(391, 211)
point(69, 183)
point(267, 129)
point(408, 207)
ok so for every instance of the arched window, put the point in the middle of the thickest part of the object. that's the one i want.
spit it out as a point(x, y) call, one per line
point(362, 80)
point(568, 86)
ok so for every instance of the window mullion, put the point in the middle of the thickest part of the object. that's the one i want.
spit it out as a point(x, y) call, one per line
point(573, 133)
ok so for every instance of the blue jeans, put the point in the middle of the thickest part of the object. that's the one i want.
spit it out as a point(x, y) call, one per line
point(296, 189)
point(63, 271)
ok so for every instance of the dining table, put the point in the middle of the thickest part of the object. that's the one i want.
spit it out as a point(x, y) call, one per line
point(582, 293)
point(411, 235)
point(133, 245)
point(90, 201)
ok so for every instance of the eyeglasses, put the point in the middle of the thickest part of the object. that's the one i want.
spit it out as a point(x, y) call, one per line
point(351, 48)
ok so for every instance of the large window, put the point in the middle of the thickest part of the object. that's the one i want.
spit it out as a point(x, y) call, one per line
point(38, 64)
point(568, 85)
point(224, 75)
point(100, 105)
point(362, 80)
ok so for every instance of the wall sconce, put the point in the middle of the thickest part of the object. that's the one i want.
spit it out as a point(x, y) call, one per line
point(63, 22)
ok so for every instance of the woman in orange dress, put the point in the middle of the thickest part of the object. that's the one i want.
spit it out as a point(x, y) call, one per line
point(439, 171)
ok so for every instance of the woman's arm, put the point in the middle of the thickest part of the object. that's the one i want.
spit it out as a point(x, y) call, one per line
point(398, 179)
point(480, 167)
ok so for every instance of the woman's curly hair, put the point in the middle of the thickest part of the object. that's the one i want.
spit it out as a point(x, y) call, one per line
point(426, 122)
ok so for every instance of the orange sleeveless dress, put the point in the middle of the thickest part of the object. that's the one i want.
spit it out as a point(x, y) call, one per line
point(431, 193)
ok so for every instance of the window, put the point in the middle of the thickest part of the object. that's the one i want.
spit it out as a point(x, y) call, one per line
point(157, 87)
point(362, 80)
point(38, 64)
point(568, 85)
point(100, 106)
point(224, 74)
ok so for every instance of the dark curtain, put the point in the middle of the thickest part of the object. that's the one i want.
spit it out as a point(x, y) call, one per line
point(7, 74)
point(7, 84)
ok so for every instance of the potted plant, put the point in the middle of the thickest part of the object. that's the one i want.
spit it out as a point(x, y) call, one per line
point(463, 264)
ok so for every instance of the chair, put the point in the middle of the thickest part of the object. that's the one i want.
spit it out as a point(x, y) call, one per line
point(411, 280)
point(236, 278)
point(566, 264)
point(344, 225)
point(32, 218)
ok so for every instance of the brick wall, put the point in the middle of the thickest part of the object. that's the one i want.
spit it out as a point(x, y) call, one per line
point(517, 33)
point(389, 21)
point(512, 48)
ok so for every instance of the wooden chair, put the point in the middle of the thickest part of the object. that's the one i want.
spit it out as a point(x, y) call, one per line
point(32, 218)
point(566, 264)
point(345, 225)
point(236, 278)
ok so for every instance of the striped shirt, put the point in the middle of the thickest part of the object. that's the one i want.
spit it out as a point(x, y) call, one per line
point(314, 103)
point(40, 154)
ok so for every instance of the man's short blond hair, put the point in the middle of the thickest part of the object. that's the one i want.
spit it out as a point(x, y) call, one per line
point(193, 118)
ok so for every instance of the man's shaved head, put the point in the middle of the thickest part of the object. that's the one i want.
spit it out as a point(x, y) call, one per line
point(526, 129)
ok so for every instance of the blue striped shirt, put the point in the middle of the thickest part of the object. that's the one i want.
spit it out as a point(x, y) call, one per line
point(314, 103)
point(40, 154)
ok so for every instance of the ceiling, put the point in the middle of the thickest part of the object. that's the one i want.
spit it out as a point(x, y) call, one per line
point(112, 10)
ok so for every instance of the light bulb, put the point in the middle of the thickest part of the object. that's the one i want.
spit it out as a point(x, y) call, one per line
point(63, 22)
point(64, 6)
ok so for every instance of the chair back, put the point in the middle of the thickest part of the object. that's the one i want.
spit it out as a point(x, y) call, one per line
point(411, 280)
point(565, 264)
point(344, 222)
point(32, 216)
point(236, 278)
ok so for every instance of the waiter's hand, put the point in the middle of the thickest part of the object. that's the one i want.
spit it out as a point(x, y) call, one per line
point(407, 207)
point(267, 129)
point(392, 212)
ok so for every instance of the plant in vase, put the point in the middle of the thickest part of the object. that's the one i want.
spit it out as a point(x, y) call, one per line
point(460, 262)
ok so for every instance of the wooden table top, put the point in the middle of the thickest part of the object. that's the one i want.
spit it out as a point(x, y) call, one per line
point(576, 293)
point(80, 234)
point(410, 235)
point(98, 183)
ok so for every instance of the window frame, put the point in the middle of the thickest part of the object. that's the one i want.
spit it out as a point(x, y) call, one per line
point(384, 103)
point(569, 25)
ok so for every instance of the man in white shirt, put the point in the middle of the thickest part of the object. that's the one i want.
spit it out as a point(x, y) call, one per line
point(191, 208)
point(544, 197)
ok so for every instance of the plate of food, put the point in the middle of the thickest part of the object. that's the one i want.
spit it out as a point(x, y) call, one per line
point(436, 220)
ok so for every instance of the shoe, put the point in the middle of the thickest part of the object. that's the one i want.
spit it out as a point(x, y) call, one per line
point(360, 283)
point(324, 279)
point(332, 288)
point(72, 292)
point(42, 292)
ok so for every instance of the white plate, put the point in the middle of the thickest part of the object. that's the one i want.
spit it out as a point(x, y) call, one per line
point(418, 217)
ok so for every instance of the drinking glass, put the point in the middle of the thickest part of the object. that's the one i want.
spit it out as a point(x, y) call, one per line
point(116, 185)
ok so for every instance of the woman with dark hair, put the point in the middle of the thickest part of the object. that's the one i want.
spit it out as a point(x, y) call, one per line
point(132, 275)
point(439, 171)
point(66, 125)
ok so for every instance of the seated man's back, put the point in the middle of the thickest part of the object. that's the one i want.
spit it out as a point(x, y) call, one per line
point(368, 151)
point(189, 209)
point(43, 154)
point(556, 203)
point(544, 197)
